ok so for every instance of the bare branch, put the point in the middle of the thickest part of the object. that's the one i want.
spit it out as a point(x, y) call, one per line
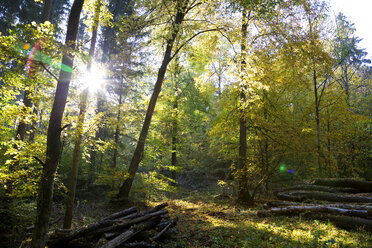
point(39, 160)
point(45, 68)
point(192, 37)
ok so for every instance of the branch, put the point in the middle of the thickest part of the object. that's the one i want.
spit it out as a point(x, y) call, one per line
point(45, 68)
point(39, 160)
point(65, 126)
point(228, 39)
point(192, 37)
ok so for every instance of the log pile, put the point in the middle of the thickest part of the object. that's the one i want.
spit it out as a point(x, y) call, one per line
point(345, 202)
point(127, 228)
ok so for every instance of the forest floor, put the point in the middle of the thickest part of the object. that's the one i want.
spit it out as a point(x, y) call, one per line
point(206, 219)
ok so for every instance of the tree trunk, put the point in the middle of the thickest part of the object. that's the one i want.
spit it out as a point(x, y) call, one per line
point(101, 101)
point(117, 131)
point(294, 210)
point(310, 187)
point(80, 126)
point(360, 185)
point(347, 222)
point(318, 148)
point(300, 196)
point(175, 120)
point(138, 153)
point(243, 193)
point(174, 139)
point(75, 160)
point(54, 133)
point(46, 10)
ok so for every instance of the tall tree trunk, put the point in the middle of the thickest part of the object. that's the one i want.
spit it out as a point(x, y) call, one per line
point(243, 193)
point(44, 202)
point(80, 125)
point(175, 119)
point(100, 107)
point(46, 10)
point(317, 122)
point(117, 130)
point(174, 139)
point(138, 153)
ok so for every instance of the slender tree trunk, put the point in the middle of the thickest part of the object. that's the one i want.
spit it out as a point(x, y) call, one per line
point(44, 202)
point(80, 126)
point(46, 10)
point(138, 153)
point(346, 85)
point(174, 139)
point(21, 130)
point(75, 161)
point(175, 120)
point(101, 101)
point(317, 122)
point(243, 193)
point(117, 131)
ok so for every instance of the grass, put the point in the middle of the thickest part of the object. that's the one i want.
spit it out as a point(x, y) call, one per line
point(205, 221)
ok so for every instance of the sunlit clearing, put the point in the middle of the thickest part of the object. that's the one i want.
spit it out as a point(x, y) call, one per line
point(94, 79)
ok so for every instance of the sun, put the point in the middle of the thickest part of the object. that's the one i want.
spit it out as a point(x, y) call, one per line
point(94, 79)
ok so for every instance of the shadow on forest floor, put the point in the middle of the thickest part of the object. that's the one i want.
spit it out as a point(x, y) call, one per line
point(205, 221)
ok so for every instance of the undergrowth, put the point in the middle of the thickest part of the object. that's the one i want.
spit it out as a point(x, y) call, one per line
point(208, 221)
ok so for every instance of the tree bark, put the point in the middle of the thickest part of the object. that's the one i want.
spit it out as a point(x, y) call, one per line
point(175, 120)
point(294, 210)
point(117, 131)
point(310, 187)
point(362, 186)
point(75, 160)
point(80, 126)
point(347, 222)
point(170, 224)
point(300, 196)
point(130, 222)
point(317, 120)
point(243, 192)
point(131, 232)
point(138, 153)
point(101, 102)
point(54, 132)
point(105, 222)
point(46, 10)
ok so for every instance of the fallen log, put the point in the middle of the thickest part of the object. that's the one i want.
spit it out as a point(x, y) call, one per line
point(347, 222)
point(295, 210)
point(274, 203)
point(128, 223)
point(300, 196)
point(79, 233)
point(121, 214)
point(362, 186)
point(170, 224)
point(311, 187)
point(141, 245)
point(131, 233)
point(139, 214)
point(108, 224)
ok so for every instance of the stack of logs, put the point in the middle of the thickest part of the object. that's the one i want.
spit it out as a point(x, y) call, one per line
point(127, 228)
point(345, 202)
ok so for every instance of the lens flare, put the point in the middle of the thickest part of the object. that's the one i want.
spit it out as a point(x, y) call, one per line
point(35, 54)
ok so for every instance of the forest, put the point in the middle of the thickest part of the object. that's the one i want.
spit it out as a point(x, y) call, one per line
point(183, 123)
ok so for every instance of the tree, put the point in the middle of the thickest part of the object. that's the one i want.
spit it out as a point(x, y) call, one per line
point(348, 56)
point(54, 132)
point(181, 8)
point(81, 120)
